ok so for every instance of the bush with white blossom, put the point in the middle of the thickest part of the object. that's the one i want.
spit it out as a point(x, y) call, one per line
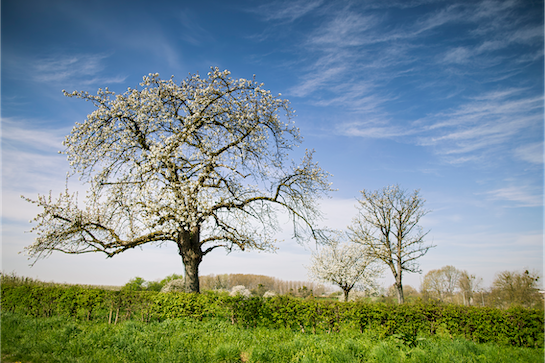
point(177, 285)
point(240, 290)
point(269, 294)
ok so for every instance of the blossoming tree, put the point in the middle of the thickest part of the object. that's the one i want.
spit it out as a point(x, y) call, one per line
point(202, 164)
point(388, 225)
point(347, 265)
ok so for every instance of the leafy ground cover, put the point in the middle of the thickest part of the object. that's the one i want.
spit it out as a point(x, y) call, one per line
point(513, 327)
point(61, 339)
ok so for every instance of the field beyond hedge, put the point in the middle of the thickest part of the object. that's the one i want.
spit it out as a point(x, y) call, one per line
point(513, 327)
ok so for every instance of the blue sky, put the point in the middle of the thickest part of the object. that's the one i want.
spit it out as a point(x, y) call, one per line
point(441, 96)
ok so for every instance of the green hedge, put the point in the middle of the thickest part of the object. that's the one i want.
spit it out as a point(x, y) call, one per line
point(516, 326)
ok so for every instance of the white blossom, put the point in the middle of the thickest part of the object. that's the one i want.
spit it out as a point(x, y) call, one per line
point(269, 294)
point(177, 285)
point(240, 290)
point(347, 265)
point(202, 163)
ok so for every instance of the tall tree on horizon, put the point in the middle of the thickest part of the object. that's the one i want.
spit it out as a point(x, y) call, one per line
point(387, 224)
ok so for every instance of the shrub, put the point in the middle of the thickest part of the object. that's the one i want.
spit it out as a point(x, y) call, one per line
point(240, 290)
point(174, 285)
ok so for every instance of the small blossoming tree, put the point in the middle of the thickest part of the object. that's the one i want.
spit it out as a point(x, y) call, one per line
point(347, 265)
point(202, 164)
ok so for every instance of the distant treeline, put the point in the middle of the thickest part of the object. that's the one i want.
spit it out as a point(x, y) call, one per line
point(261, 283)
point(257, 284)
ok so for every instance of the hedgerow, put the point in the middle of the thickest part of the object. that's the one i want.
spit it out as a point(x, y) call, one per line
point(516, 326)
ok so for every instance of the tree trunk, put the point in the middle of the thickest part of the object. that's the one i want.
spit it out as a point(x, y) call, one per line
point(346, 291)
point(189, 249)
point(399, 289)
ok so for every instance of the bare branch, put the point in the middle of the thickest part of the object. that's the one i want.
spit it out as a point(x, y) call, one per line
point(202, 163)
point(387, 224)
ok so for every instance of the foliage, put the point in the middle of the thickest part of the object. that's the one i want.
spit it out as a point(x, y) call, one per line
point(389, 296)
point(56, 339)
point(468, 285)
point(170, 278)
point(260, 290)
point(174, 285)
point(516, 288)
point(388, 225)
point(135, 284)
point(442, 283)
point(153, 286)
point(516, 326)
point(202, 164)
point(346, 265)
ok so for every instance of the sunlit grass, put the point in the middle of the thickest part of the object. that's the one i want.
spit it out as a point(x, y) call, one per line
point(58, 339)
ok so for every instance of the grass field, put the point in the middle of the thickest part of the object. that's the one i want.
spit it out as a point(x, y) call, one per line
point(61, 339)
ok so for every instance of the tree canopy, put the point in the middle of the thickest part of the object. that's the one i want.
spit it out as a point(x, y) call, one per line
point(347, 265)
point(203, 164)
point(516, 288)
point(442, 283)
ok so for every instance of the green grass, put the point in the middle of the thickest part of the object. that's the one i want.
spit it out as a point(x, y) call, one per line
point(60, 339)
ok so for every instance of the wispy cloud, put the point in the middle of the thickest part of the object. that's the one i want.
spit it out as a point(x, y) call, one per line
point(344, 30)
point(488, 124)
point(63, 69)
point(87, 68)
point(532, 153)
point(500, 41)
point(59, 68)
point(316, 80)
point(368, 65)
point(375, 132)
point(287, 10)
point(487, 119)
point(458, 55)
point(21, 134)
point(30, 158)
point(192, 31)
point(521, 196)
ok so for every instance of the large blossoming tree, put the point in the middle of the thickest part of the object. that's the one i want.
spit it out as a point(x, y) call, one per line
point(202, 164)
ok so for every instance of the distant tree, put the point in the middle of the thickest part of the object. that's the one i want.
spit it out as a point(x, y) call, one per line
point(260, 290)
point(387, 225)
point(135, 284)
point(441, 283)
point(202, 164)
point(516, 288)
point(304, 292)
point(468, 285)
point(154, 286)
point(346, 265)
point(389, 295)
point(171, 277)
point(215, 282)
